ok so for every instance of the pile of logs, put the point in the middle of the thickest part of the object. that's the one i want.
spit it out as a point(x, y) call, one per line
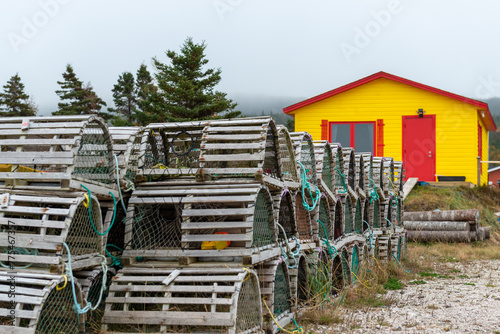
point(445, 226)
point(208, 226)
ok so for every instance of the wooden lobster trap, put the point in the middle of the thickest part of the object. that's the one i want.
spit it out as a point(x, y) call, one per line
point(378, 177)
point(216, 223)
point(47, 153)
point(361, 186)
point(389, 186)
point(340, 183)
point(203, 300)
point(276, 294)
point(35, 303)
point(304, 155)
point(303, 220)
point(350, 168)
point(284, 211)
point(299, 281)
point(34, 228)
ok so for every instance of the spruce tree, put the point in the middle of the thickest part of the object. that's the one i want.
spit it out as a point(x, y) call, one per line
point(186, 91)
point(125, 99)
point(77, 99)
point(146, 96)
point(14, 101)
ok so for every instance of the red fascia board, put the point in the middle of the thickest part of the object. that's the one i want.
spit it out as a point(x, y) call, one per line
point(491, 126)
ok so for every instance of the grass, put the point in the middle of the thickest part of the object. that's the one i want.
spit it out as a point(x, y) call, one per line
point(393, 284)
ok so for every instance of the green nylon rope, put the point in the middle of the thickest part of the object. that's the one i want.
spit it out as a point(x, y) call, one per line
point(307, 185)
point(116, 261)
point(373, 192)
point(330, 248)
point(90, 212)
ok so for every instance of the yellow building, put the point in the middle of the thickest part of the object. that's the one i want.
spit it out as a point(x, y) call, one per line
point(432, 131)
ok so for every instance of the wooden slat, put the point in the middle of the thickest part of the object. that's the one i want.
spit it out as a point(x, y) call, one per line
point(215, 225)
point(169, 300)
point(195, 191)
point(17, 330)
point(189, 253)
point(41, 176)
point(33, 222)
point(48, 242)
point(232, 129)
point(233, 146)
point(37, 142)
point(191, 200)
point(169, 318)
point(246, 137)
point(18, 298)
point(217, 212)
point(37, 158)
point(36, 210)
point(168, 288)
point(61, 131)
point(215, 237)
point(233, 157)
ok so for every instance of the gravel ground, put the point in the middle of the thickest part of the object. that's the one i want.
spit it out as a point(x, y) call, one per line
point(466, 302)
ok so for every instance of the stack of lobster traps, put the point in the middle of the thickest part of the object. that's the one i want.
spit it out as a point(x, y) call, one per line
point(227, 226)
point(57, 178)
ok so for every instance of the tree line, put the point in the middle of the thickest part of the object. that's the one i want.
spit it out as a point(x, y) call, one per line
point(181, 89)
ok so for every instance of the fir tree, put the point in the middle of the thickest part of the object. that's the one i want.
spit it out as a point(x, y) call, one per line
point(146, 96)
point(186, 91)
point(77, 99)
point(14, 101)
point(125, 99)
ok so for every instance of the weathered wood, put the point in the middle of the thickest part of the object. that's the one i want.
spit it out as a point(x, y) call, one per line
point(445, 215)
point(438, 225)
point(440, 236)
point(408, 186)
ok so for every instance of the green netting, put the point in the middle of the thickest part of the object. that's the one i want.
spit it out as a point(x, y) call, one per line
point(355, 264)
point(287, 156)
point(388, 212)
point(263, 221)
point(376, 249)
point(376, 215)
point(358, 217)
point(156, 226)
point(58, 315)
point(94, 159)
point(338, 220)
point(346, 271)
point(348, 215)
point(307, 159)
point(248, 314)
point(398, 212)
point(400, 240)
point(286, 218)
point(271, 166)
point(82, 238)
point(366, 216)
point(326, 172)
point(302, 219)
point(350, 169)
point(94, 317)
point(282, 294)
point(324, 217)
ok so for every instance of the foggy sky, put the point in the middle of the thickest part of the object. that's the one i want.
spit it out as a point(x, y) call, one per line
point(291, 49)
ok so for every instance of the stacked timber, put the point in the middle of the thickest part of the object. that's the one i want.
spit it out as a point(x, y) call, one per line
point(445, 226)
point(57, 173)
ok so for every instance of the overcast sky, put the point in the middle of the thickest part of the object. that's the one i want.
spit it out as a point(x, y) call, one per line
point(294, 49)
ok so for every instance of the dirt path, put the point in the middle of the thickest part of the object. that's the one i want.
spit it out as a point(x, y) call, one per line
point(464, 300)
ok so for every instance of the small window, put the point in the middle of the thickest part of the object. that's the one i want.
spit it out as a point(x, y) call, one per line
point(358, 135)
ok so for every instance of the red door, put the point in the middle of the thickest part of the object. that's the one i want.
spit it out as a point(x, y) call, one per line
point(419, 147)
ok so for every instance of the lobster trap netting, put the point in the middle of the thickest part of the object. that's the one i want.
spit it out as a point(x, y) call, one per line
point(302, 285)
point(58, 314)
point(349, 167)
point(360, 170)
point(326, 171)
point(263, 226)
point(154, 226)
point(115, 236)
point(325, 225)
point(82, 238)
point(94, 159)
point(249, 314)
point(282, 296)
point(302, 218)
point(367, 223)
point(358, 217)
point(338, 219)
point(348, 219)
point(287, 156)
point(126, 147)
point(286, 217)
point(346, 270)
point(307, 160)
point(337, 275)
point(355, 263)
point(338, 168)
point(271, 154)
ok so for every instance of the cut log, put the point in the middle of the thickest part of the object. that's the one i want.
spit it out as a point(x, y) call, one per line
point(442, 236)
point(487, 232)
point(438, 225)
point(448, 215)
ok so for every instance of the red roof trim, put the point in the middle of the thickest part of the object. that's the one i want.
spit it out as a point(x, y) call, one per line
point(489, 119)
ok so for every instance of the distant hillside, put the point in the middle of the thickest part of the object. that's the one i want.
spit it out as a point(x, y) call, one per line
point(494, 104)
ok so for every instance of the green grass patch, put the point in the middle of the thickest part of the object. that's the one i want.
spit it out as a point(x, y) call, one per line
point(426, 274)
point(393, 284)
point(463, 276)
point(417, 282)
point(472, 284)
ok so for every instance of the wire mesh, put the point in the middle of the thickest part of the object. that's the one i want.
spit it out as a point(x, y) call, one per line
point(388, 212)
point(346, 271)
point(58, 314)
point(326, 172)
point(263, 226)
point(307, 159)
point(282, 296)
point(400, 240)
point(248, 315)
point(286, 217)
point(349, 167)
point(376, 215)
point(358, 217)
point(93, 323)
point(366, 216)
point(156, 226)
point(348, 221)
point(360, 166)
point(94, 159)
point(355, 263)
point(81, 238)
point(338, 169)
point(324, 217)
point(303, 219)
point(116, 234)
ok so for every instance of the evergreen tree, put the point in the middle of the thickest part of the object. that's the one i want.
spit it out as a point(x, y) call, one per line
point(77, 99)
point(14, 101)
point(186, 90)
point(146, 96)
point(125, 99)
